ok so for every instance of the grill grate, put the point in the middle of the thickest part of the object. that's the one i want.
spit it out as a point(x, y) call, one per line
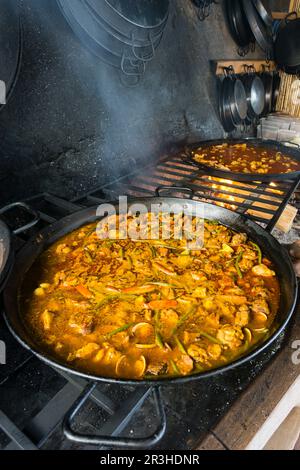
point(262, 202)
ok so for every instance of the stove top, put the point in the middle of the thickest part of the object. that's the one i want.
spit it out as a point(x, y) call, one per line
point(34, 397)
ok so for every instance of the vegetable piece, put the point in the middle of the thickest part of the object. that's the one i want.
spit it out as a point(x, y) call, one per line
point(210, 337)
point(146, 346)
point(159, 341)
point(162, 304)
point(137, 290)
point(119, 330)
point(174, 366)
point(237, 265)
point(183, 319)
point(180, 345)
point(84, 291)
point(259, 252)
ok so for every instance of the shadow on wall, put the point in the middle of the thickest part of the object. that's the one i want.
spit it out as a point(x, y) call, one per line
point(71, 124)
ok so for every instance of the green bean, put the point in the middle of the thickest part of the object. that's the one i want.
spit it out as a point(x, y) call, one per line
point(259, 252)
point(180, 345)
point(175, 368)
point(210, 337)
point(237, 266)
point(159, 341)
point(119, 330)
point(183, 319)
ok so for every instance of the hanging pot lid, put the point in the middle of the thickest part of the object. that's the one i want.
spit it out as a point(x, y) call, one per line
point(143, 13)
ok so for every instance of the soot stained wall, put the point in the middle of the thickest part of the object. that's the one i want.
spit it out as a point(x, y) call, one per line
point(72, 125)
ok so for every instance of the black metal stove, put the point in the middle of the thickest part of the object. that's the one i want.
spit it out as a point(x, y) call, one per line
point(34, 398)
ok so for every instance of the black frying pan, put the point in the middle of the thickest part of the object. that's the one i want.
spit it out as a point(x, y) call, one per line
point(267, 79)
point(292, 151)
point(224, 105)
point(32, 249)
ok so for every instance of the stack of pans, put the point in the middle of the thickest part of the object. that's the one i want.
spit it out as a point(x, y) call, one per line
point(243, 99)
point(250, 21)
point(122, 34)
point(287, 45)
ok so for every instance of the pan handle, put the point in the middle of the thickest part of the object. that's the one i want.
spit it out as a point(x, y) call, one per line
point(286, 142)
point(176, 189)
point(133, 443)
point(28, 209)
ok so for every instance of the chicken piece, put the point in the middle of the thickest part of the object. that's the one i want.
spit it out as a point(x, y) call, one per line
point(238, 239)
point(213, 320)
point(242, 316)
point(260, 306)
point(81, 323)
point(197, 353)
point(168, 318)
point(230, 336)
point(259, 292)
point(250, 255)
point(157, 368)
point(214, 351)
point(99, 356)
point(86, 351)
point(185, 364)
point(47, 318)
point(263, 270)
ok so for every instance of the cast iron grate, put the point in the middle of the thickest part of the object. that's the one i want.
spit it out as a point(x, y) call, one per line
point(263, 203)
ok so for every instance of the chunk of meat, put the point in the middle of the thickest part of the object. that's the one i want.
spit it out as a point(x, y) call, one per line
point(157, 368)
point(230, 336)
point(238, 239)
point(197, 353)
point(185, 364)
point(81, 323)
point(263, 270)
point(260, 306)
point(214, 351)
point(86, 351)
point(242, 316)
